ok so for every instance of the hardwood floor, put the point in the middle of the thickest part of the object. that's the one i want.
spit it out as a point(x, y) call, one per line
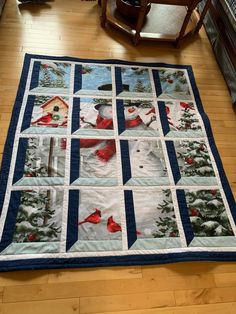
point(72, 28)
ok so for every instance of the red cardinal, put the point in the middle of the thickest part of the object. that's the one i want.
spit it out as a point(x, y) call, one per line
point(186, 106)
point(113, 226)
point(94, 218)
point(138, 232)
point(44, 119)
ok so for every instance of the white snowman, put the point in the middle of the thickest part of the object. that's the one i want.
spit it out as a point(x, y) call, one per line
point(133, 119)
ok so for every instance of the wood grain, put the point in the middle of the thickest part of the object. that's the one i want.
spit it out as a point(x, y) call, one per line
point(72, 28)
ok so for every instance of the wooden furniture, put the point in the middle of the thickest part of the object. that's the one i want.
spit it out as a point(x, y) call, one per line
point(168, 15)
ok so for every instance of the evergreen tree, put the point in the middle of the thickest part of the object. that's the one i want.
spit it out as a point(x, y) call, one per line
point(141, 88)
point(188, 120)
point(196, 159)
point(32, 168)
point(166, 225)
point(33, 220)
point(46, 80)
point(207, 214)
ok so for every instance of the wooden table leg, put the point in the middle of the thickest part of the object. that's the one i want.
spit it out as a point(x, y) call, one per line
point(184, 26)
point(139, 25)
point(104, 13)
point(200, 22)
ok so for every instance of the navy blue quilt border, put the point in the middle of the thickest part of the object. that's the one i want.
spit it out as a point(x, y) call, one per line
point(142, 259)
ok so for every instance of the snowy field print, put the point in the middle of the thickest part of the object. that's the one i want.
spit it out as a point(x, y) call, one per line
point(95, 116)
point(194, 163)
point(156, 225)
point(174, 84)
point(51, 77)
point(37, 222)
point(93, 80)
point(44, 162)
point(182, 119)
point(133, 82)
point(99, 220)
point(49, 114)
point(137, 118)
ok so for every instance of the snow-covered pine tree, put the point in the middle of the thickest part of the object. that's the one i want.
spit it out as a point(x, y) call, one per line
point(33, 166)
point(166, 222)
point(188, 120)
point(207, 213)
point(33, 220)
point(196, 159)
point(141, 88)
point(46, 80)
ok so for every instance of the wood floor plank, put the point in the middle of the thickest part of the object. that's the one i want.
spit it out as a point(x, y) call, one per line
point(69, 306)
point(126, 302)
point(205, 296)
point(104, 287)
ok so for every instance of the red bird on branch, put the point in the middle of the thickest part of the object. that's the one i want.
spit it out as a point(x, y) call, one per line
point(186, 105)
point(113, 226)
point(93, 218)
point(150, 111)
point(44, 119)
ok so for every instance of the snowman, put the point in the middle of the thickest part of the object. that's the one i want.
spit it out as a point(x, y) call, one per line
point(133, 120)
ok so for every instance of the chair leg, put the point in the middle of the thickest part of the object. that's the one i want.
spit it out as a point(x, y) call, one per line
point(184, 26)
point(104, 12)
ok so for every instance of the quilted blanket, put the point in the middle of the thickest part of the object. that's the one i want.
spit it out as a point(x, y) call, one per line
point(109, 162)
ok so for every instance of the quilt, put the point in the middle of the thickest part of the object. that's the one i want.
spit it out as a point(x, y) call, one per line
point(109, 162)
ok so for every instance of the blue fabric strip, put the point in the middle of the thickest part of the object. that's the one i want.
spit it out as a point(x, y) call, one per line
point(72, 220)
point(163, 117)
point(120, 116)
point(173, 161)
point(119, 87)
point(75, 115)
point(157, 82)
point(28, 113)
point(78, 78)
point(9, 226)
point(20, 159)
point(35, 75)
point(130, 218)
point(75, 160)
point(183, 209)
point(125, 160)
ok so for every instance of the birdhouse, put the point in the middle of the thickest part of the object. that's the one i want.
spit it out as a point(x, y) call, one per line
point(55, 105)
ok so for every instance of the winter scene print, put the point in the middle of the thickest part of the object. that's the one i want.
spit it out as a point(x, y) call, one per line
point(49, 112)
point(155, 221)
point(96, 117)
point(135, 82)
point(38, 222)
point(137, 118)
point(194, 163)
point(97, 161)
point(93, 79)
point(182, 119)
point(174, 84)
point(209, 218)
point(146, 162)
point(44, 162)
point(99, 220)
point(54, 77)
